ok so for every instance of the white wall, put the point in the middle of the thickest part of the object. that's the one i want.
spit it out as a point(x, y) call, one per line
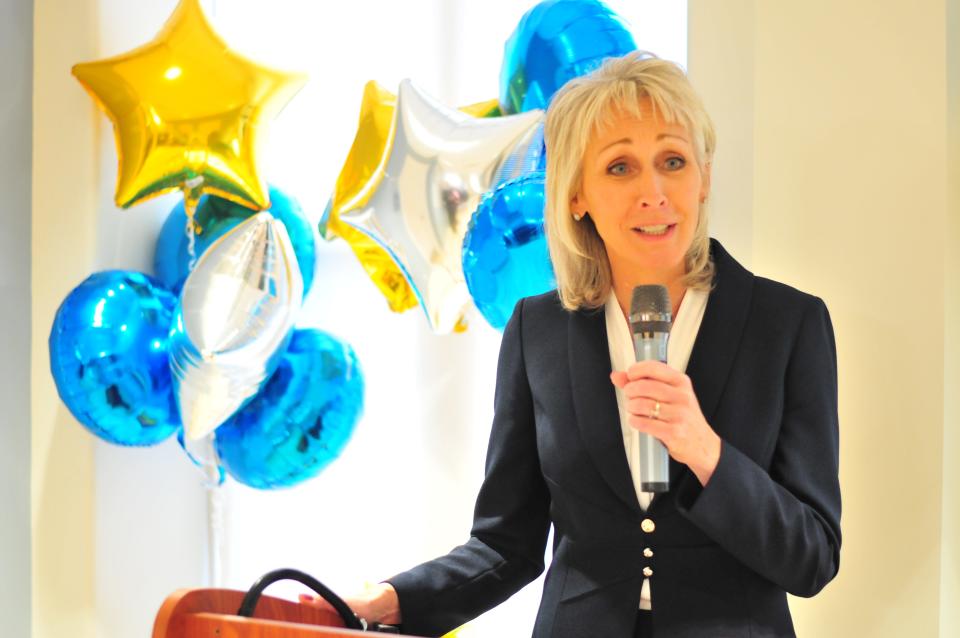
point(63, 245)
point(845, 185)
point(721, 68)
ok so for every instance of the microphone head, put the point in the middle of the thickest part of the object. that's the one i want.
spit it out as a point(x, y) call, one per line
point(650, 300)
point(650, 305)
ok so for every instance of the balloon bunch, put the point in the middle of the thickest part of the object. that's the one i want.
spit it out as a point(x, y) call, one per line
point(207, 348)
point(443, 206)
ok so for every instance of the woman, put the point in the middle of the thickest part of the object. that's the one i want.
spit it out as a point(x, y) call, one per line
point(747, 406)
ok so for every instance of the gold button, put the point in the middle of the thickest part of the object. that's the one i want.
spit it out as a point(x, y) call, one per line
point(647, 525)
point(647, 572)
point(647, 552)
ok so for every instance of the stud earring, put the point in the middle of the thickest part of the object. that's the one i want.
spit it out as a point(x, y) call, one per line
point(578, 216)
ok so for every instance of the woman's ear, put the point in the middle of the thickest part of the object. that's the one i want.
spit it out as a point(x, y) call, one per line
point(705, 182)
point(576, 206)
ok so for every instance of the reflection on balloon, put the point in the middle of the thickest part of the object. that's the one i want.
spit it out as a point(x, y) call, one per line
point(213, 218)
point(505, 253)
point(235, 315)
point(188, 113)
point(528, 156)
point(108, 356)
point(302, 418)
point(556, 41)
point(439, 165)
point(202, 453)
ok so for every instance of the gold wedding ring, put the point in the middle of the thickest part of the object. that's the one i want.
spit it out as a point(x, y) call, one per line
point(656, 411)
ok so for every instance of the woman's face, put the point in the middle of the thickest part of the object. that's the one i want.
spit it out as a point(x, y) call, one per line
point(642, 188)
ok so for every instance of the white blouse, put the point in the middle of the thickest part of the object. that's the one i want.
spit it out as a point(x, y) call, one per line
point(682, 335)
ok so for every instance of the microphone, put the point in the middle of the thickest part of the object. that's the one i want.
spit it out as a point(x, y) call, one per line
point(650, 321)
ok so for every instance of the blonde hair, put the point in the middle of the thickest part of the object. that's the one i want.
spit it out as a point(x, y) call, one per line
point(577, 111)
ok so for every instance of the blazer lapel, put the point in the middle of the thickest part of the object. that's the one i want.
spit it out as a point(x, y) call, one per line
point(595, 402)
point(718, 339)
point(717, 342)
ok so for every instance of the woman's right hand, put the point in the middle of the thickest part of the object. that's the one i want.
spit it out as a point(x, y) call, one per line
point(377, 603)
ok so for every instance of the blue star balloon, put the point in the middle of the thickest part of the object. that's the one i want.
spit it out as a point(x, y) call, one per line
point(505, 253)
point(108, 356)
point(302, 418)
point(556, 41)
point(214, 217)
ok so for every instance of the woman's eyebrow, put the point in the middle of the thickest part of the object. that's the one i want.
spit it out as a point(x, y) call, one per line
point(625, 140)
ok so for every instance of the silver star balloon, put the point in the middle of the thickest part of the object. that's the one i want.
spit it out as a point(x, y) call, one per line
point(235, 315)
point(439, 165)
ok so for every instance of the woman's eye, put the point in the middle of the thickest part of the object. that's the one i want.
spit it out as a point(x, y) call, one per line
point(620, 168)
point(674, 163)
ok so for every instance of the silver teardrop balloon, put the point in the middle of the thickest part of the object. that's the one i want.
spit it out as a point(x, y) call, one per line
point(235, 315)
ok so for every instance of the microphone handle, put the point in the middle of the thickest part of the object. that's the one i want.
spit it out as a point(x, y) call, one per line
point(654, 457)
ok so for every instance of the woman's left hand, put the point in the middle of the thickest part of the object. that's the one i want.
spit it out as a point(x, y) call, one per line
point(678, 422)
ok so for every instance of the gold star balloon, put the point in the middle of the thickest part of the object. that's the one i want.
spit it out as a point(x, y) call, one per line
point(361, 174)
point(188, 113)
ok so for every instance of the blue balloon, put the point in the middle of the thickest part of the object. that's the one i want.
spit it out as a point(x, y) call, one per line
point(505, 253)
point(554, 42)
point(215, 216)
point(301, 419)
point(108, 355)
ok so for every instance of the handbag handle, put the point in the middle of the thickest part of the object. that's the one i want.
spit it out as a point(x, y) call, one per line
point(252, 596)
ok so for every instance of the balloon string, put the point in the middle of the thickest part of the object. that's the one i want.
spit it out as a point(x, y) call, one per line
point(191, 245)
point(192, 190)
point(203, 453)
point(215, 533)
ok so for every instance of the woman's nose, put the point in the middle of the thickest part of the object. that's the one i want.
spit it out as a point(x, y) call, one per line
point(650, 193)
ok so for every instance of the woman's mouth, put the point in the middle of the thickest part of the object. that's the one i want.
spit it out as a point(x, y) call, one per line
point(654, 230)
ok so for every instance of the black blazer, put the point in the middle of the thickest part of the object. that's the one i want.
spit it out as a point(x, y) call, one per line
point(763, 367)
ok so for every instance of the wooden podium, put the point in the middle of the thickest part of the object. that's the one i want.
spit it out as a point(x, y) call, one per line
point(210, 613)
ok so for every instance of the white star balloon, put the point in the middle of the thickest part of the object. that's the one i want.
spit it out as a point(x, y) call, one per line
point(441, 162)
point(236, 313)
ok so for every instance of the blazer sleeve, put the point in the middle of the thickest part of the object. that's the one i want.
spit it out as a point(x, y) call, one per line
point(511, 517)
point(785, 524)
